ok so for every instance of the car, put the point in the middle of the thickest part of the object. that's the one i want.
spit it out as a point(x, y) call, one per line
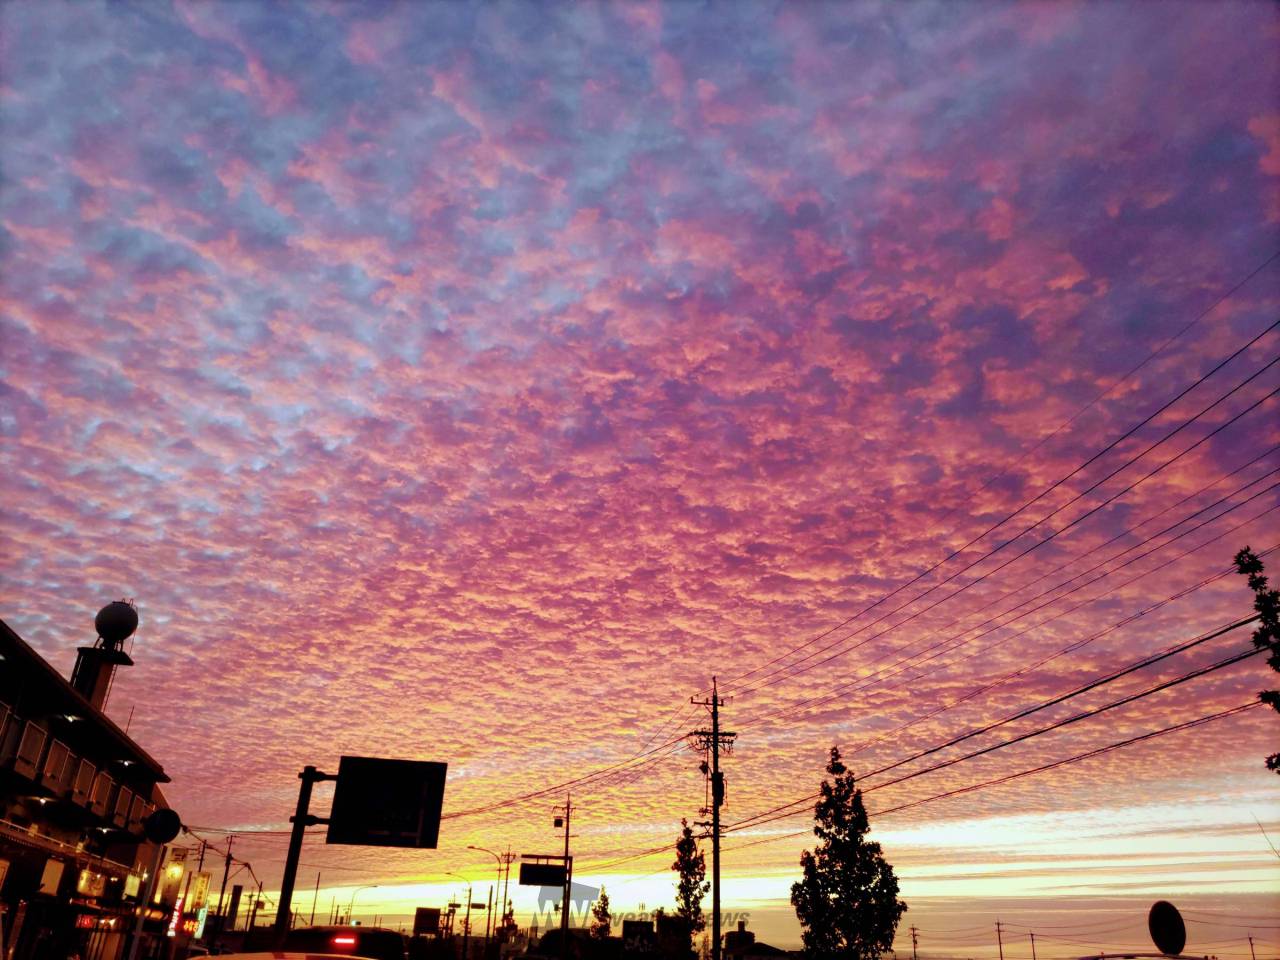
point(372, 943)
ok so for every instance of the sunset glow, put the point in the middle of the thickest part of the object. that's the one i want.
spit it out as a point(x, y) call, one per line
point(474, 382)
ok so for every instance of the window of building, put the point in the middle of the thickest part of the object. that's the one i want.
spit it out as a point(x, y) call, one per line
point(120, 816)
point(102, 785)
point(6, 717)
point(82, 786)
point(27, 762)
point(57, 767)
point(138, 813)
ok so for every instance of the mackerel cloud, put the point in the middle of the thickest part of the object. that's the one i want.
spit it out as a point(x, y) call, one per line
point(472, 382)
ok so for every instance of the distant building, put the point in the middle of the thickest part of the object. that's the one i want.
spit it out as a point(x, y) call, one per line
point(741, 944)
point(74, 792)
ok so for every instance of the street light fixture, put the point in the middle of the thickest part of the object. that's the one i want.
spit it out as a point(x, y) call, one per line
point(466, 923)
point(351, 905)
point(488, 920)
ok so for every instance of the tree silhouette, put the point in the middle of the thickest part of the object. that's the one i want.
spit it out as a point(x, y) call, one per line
point(692, 884)
point(1267, 635)
point(602, 920)
point(847, 902)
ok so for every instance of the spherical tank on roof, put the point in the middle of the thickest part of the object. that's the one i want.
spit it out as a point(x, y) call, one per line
point(116, 621)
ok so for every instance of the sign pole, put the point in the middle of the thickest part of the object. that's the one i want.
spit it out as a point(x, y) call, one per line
point(145, 905)
point(301, 820)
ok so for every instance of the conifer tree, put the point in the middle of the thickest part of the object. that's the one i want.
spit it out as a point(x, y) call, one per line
point(602, 919)
point(847, 901)
point(691, 883)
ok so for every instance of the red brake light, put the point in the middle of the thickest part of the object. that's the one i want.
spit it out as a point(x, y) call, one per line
point(343, 940)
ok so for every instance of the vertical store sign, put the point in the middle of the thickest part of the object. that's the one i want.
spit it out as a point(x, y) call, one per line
point(174, 919)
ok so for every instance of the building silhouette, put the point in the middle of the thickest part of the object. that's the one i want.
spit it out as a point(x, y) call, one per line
point(75, 791)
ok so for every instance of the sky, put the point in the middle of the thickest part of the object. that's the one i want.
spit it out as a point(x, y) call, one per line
point(474, 382)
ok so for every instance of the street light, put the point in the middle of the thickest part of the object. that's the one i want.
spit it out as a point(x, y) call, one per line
point(351, 905)
point(466, 923)
point(488, 919)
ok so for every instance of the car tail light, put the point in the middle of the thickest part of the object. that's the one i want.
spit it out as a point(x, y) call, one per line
point(344, 940)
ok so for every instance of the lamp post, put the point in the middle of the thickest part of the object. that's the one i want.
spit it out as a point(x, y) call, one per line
point(352, 903)
point(466, 923)
point(501, 863)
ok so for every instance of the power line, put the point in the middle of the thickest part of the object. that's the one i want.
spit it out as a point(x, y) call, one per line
point(796, 668)
point(1077, 758)
point(1007, 778)
point(1084, 715)
point(1044, 705)
point(677, 742)
point(1071, 647)
point(956, 640)
point(997, 781)
point(1025, 505)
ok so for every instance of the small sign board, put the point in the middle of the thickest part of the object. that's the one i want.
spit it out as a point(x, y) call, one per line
point(426, 921)
point(638, 936)
point(1168, 932)
point(542, 874)
point(387, 803)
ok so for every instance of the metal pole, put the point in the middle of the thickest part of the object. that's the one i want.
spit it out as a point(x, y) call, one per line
point(713, 740)
point(488, 922)
point(145, 905)
point(717, 797)
point(226, 868)
point(352, 905)
point(312, 921)
point(309, 776)
point(253, 909)
point(1033, 946)
point(999, 941)
point(506, 884)
point(466, 926)
point(568, 881)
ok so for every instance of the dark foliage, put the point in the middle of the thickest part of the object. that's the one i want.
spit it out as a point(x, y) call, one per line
point(847, 901)
point(1267, 635)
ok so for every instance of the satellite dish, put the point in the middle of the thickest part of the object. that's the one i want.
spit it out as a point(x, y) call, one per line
point(162, 826)
point(1168, 932)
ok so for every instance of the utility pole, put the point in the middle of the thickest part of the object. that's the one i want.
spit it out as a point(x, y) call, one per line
point(568, 879)
point(1033, 946)
point(914, 942)
point(488, 923)
point(312, 921)
point(466, 925)
point(226, 869)
point(507, 859)
point(253, 908)
point(1251, 952)
point(999, 941)
point(714, 740)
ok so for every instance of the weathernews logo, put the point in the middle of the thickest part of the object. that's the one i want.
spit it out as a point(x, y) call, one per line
point(582, 898)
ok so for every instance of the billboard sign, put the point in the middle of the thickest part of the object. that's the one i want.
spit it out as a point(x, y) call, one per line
point(237, 892)
point(542, 874)
point(426, 920)
point(387, 803)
